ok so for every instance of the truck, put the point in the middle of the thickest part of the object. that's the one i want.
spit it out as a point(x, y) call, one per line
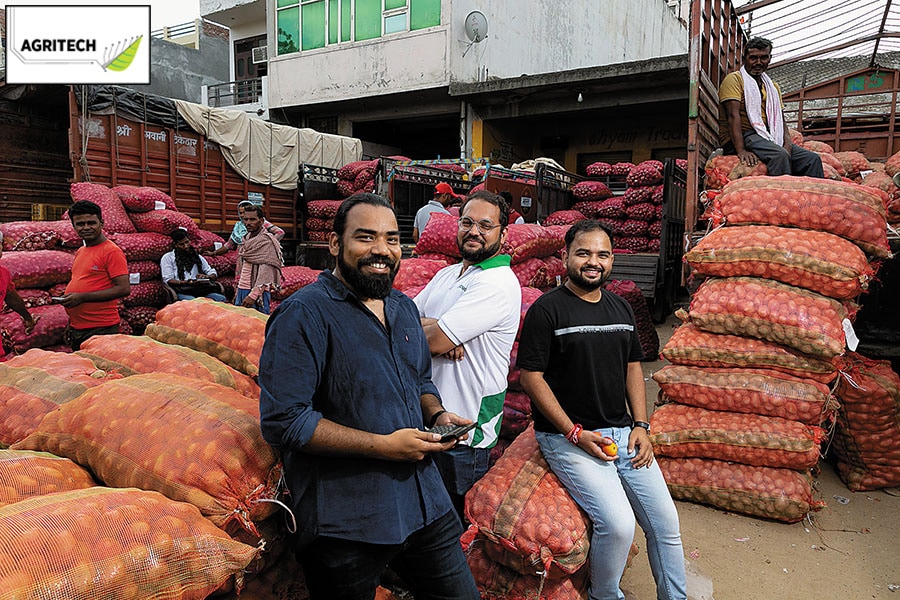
point(716, 48)
point(115, 136)
point(549, 189)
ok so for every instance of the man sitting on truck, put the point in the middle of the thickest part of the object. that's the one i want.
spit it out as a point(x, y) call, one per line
point(752, 126)
point(443, 197)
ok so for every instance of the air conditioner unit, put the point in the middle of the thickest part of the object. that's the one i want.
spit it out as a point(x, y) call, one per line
point(260, 55)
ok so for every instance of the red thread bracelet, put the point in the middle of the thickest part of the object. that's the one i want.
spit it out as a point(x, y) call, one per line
point(572, 436)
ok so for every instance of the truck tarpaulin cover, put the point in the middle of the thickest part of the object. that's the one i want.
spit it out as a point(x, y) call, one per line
point(245, 141)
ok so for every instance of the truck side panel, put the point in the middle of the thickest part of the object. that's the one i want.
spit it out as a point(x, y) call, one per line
point(113, 150)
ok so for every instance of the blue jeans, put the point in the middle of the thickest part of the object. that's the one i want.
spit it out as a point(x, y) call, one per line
point(799, 161)
point(262, 303)
point(461, 467)
point(211, 296)
point(430, 562)
point(613, 494)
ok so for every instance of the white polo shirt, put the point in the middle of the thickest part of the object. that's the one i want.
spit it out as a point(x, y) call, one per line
point(479, 309)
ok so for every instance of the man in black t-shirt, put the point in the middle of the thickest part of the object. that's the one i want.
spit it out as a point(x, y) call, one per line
point(579, 356)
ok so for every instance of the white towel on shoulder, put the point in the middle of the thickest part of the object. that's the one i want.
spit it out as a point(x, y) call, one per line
point(753, 104)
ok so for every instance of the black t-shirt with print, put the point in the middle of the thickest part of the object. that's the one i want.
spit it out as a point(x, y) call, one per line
point(583, 349)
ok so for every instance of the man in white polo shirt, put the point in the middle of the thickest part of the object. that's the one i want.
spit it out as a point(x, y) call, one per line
point(470, 313)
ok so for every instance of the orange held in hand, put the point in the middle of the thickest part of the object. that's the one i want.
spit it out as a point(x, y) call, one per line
point(610, 449)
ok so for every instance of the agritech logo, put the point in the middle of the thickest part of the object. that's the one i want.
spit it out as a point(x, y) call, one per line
point(78, 44)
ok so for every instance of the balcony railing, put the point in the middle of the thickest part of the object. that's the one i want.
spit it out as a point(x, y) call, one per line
point(234, 93)
point(186, 34)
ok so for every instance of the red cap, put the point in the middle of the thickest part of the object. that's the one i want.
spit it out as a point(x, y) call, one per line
point(444, 188)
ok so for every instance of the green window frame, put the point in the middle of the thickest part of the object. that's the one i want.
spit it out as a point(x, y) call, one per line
point(310, 24)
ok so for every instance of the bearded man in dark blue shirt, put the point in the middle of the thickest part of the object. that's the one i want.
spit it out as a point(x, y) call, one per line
point(345, 380)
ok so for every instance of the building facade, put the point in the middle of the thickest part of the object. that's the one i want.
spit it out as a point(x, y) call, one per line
point(575, 81)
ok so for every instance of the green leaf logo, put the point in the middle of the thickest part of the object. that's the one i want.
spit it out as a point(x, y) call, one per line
point(122, 60)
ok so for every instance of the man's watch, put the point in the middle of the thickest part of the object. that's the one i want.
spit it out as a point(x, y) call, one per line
point(643, 424)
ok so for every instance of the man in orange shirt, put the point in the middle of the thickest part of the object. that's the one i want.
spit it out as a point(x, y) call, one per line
point(99, 278)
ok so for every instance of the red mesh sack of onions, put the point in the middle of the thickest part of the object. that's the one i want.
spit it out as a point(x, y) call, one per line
point(132, 200)
point(65, 233)
point(532, 241)
point(146, 293)
point(452, 167)
point(293, 278)
point(564, 217)
point(416, 272)
point(317, 236)
point(853, 162)
point(345, 188)
point(633, 243)
point(27, 235)
point(646, 173)
point(204, 241)
point(363, 180)
point(349, 171)
point(654, 229)
point(591, 190)
point(598, 169)
point(611, 208)
point(529, 295)
point(37, 269)
point(163, 221)
point(224, 264)
point(413, 291)
point(47, 332)
point(638, 194)
point(614, 225)
point(115, 219)
point(149, 194)
point(142, 246)
point(323, 209)
point(654, 244)
point(147, 269)
point(319, 224)
point(443, 258)
point(529, 272)
point(645, 211)
point(33, 297)
point(621, 168)
point(635, 227)
point(553, 268)
point(440, 236)
point(658, 196)
point(139, 317)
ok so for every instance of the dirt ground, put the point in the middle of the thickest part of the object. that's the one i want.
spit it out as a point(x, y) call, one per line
point(848, 550)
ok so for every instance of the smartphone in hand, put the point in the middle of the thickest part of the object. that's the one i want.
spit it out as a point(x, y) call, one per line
point(451, 432)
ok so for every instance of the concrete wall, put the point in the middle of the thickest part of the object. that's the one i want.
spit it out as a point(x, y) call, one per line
point(550, 37)
point(179, 72)
point(411, 61)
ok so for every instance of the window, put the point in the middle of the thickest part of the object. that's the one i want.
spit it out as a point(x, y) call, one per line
point(310, 24)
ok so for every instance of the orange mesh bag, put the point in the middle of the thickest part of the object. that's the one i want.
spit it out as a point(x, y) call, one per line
point(25, 474)
point(867, 437)
point(853, 162)
point(892, 165)
point(527, 240)
point(780, 494)
point(722, 169)
point(37, 382)
point(813, 260)
point(131, 355)
point(817, 146)
point(690, 345)
point(845, 209)
point(110, 544)
point(193, 442)
point(681, 431)
point(523, 510)
point(751, 391)
point(497, 582)
point(829, 160)
point(768, 310)
point(233, 334)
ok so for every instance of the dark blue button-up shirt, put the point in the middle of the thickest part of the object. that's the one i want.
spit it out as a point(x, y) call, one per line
point(327, 356)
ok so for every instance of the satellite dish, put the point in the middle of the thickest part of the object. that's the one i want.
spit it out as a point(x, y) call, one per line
point(476, 26)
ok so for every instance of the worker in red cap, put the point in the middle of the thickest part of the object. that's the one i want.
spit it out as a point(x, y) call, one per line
point(443, 197)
